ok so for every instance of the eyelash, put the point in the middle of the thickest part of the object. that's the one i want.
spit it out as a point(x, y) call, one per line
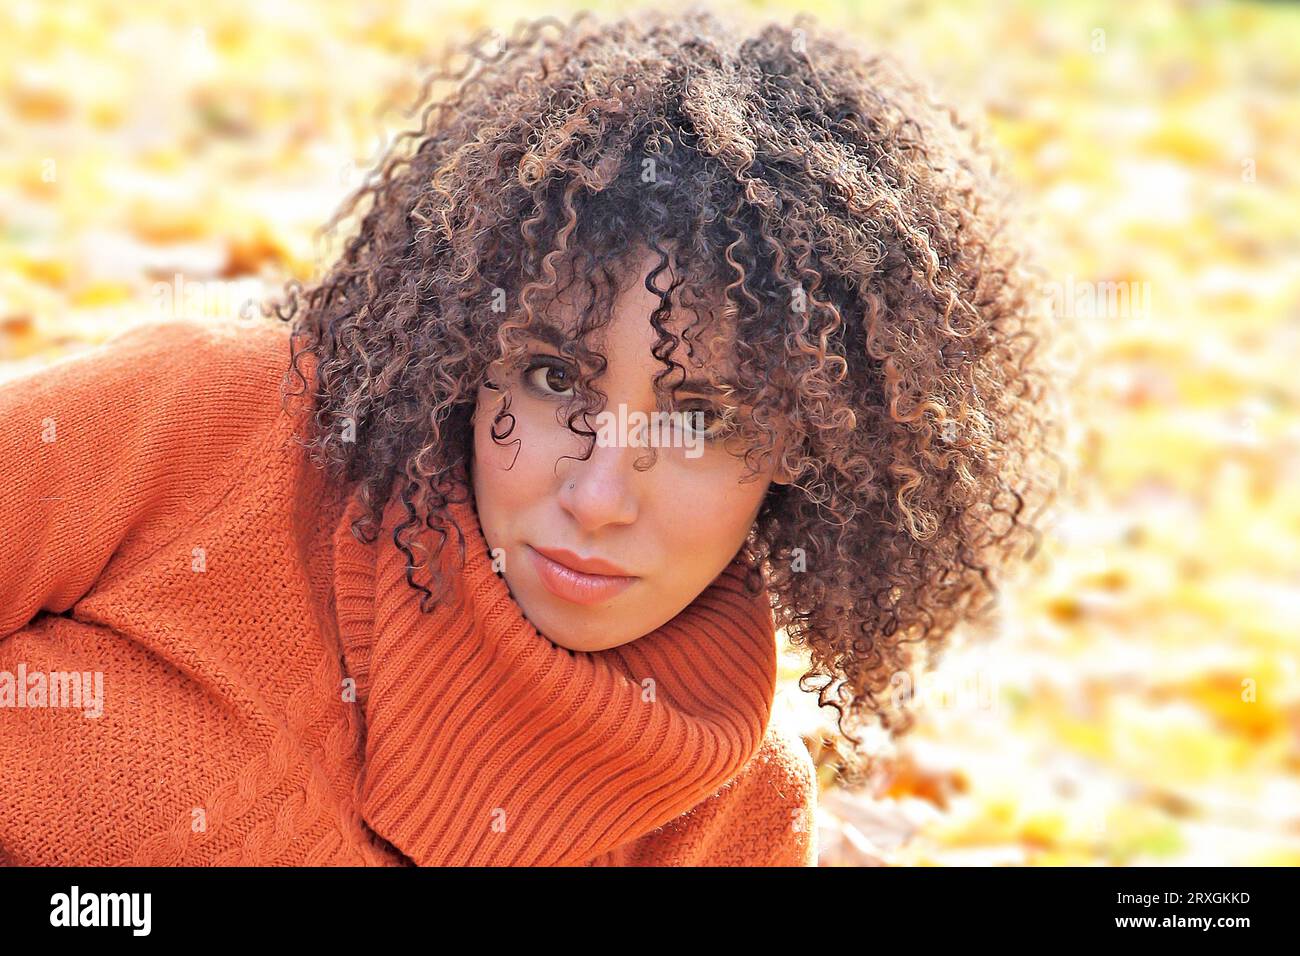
point(539, 362)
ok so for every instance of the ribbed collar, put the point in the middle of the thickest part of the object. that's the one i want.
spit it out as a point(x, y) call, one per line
point(486, 744)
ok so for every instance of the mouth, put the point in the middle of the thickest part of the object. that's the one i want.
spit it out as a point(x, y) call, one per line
point(579, 580)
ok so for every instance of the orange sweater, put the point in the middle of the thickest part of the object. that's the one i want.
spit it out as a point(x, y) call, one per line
point(201, 665)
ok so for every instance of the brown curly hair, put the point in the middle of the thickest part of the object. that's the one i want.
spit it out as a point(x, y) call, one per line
point(852, 230)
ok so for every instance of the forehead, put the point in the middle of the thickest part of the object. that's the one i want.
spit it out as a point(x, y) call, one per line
point(617, 318)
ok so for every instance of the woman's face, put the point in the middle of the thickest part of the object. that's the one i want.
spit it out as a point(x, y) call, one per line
point(596, 553)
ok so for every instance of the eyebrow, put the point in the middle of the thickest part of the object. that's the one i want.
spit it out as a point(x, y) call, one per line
point(557, 338)
point(552, 335)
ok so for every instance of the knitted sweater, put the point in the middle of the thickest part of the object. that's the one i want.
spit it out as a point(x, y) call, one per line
point(200, 664)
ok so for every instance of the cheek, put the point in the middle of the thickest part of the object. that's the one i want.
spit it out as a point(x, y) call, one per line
point(706, 512)
point(520, 467)
point(489, 455)
point(496, 484)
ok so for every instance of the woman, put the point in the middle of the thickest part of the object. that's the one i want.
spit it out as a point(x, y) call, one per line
point(653, 339)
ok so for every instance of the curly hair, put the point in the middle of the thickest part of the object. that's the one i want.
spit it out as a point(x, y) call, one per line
point(854, 234)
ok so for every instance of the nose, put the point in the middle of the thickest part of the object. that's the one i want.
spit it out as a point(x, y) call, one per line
point(602, 490)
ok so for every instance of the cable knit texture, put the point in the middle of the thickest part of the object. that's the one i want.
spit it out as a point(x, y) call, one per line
point(272, 693)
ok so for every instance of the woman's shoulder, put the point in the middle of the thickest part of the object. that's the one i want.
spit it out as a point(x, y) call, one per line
point(143, 426)
point(233, 351)
point(196, 360)
point(112, 452)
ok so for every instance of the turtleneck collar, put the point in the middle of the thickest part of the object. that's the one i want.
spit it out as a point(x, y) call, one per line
point(487, 744)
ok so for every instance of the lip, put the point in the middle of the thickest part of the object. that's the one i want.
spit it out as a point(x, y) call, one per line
point(579, 580)
point(592, 566)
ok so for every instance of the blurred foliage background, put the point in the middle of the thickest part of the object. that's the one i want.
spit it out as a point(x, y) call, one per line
point(1141, 703)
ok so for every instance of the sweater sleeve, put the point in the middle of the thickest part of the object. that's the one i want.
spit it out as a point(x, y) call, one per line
point(764, 816)
point(101, 449)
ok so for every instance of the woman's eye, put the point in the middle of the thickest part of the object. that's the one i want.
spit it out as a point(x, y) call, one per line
point(707, 421)
point(549, 378)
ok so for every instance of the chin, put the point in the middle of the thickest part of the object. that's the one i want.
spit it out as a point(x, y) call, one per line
point(584, 635)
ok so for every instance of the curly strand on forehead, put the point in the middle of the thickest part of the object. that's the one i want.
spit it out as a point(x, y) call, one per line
point(849, 238)
point(703, 340)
